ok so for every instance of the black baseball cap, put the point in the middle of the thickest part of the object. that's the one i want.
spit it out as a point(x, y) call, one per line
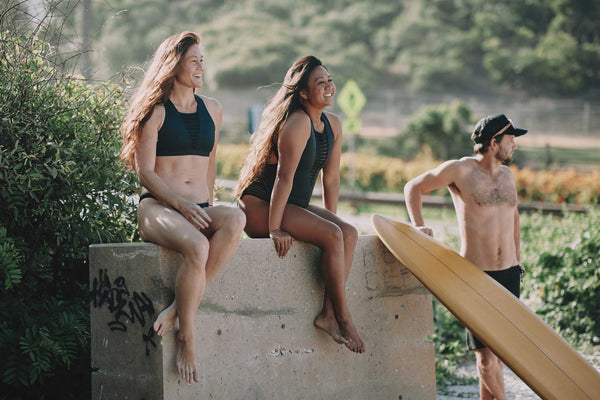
point(493, 125)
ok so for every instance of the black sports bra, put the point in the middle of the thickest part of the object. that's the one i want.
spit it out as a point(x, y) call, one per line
point(186, 134)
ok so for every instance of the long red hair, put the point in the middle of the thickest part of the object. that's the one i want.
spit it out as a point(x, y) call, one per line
point(277, 110)
point(154, 89)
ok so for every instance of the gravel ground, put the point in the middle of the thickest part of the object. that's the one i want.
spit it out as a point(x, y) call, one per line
point(515, 388)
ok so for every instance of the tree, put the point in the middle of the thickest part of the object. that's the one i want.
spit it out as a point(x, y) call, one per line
point(61, 189)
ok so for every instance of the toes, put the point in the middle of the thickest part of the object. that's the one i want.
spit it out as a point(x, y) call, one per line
point(341, 339)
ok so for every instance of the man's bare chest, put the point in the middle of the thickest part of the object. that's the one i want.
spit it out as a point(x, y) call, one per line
point(485, 190)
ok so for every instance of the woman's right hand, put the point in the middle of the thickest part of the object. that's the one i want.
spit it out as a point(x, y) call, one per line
point(283, 241)
point(195, 215)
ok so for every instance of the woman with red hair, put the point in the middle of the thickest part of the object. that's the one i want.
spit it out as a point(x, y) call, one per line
point(169, 139)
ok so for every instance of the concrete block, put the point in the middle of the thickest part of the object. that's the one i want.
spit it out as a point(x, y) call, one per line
point(255, 337)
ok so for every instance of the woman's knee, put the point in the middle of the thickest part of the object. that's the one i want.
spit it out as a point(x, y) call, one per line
point(331, 235)
point(350, 234)
point(236, 220)
point(196, 250)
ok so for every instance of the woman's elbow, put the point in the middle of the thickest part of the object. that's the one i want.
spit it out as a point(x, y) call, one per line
point(143, 174)
point(284, 178)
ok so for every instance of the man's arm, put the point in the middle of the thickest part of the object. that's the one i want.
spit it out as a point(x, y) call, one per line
point(431, 180)
point(517, 236)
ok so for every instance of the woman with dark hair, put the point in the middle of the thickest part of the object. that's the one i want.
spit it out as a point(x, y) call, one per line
point(294, 142)
point(169, 139)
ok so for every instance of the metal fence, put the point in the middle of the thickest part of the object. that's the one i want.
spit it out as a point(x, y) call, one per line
point(389, 110)
point(542, 116)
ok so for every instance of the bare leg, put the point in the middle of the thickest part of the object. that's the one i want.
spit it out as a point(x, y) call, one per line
point(189, 288)
point(326, 320)
point(224, 233)
point(491, 375)
point(166, 227)
point(306, 226)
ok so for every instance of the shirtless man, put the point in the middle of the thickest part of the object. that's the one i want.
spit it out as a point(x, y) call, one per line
point(485, 199)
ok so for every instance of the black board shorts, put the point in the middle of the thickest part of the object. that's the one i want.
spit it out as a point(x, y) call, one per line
point(510, 278)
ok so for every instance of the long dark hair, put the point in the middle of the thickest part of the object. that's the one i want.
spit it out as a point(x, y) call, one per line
point(278, 109)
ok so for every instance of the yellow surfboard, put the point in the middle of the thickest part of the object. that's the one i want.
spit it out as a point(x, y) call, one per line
point(520, 338)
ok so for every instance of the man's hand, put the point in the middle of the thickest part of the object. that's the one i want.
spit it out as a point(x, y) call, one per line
point(426, 230)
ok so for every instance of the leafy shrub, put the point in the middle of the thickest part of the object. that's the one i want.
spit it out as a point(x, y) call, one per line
point(230, 159)
point(390, 174)
point(450, 348)
point(563, 273)
point(443, 128)
point(384, 174)
point(560, 187)
point(61, 189)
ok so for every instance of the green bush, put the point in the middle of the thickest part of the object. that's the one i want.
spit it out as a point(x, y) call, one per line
point(61, 189)
point(230, 159)
point(450, 348)
point(442, 128)
point(563, 273)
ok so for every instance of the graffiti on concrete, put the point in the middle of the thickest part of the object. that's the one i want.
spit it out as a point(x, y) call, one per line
point(148, 339)
point(125, 306)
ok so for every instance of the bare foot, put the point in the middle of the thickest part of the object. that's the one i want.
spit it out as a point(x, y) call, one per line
point(166, 320)
point(355, 343)
point(331, 327)
point(186, 359)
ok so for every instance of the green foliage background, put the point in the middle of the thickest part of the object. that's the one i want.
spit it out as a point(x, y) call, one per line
point(539, 47)
point(563, 273)
point(444, 129)
point(61, 190)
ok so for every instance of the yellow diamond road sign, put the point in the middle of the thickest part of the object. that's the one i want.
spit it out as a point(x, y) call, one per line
point(351, 99)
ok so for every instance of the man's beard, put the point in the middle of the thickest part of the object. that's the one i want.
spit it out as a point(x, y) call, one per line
point(505, 160)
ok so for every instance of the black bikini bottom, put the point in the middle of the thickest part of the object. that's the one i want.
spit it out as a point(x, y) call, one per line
point(150, 196)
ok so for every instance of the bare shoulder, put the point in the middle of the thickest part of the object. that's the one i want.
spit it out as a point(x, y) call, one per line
point(506, 170)
point(298, 123)
point(157, 116)
point(212, 105)
point(158, 111)
point(460, 165)
point(335, 122)
point(333, 119)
